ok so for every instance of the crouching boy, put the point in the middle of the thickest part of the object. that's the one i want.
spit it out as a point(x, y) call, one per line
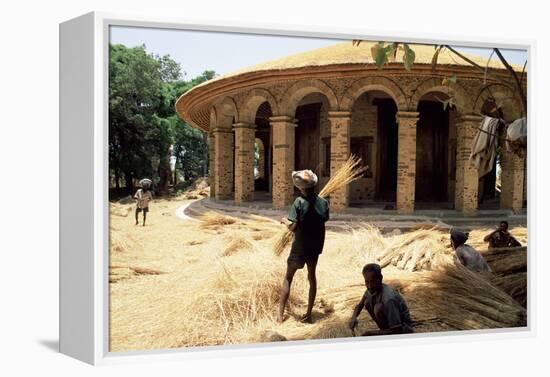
point(385, 305)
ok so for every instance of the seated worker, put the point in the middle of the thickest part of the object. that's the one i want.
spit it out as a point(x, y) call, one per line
point(385, 305)
point(306, 219)
point(501, 237)
point(467, 255)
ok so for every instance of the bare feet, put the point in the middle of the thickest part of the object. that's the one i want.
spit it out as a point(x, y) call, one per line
point(280, 318)
point(306, 318)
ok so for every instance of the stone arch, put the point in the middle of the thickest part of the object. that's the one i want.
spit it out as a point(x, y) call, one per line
point(252, 102)
point(226, 112)
point(294, 94)
point(506, 97)
point(367, 84)
point(464, 103)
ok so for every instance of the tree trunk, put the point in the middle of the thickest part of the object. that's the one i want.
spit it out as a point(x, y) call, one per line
point(129, 183)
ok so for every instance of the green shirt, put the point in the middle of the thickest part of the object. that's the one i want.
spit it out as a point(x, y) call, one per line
point(310, 214)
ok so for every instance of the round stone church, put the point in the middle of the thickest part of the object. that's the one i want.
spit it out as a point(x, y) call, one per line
point(312, 110)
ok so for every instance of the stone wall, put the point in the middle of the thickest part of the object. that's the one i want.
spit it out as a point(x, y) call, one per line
point(346, 94)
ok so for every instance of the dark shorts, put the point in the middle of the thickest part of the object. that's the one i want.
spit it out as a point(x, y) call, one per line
point(145, 210)
point(299, 261)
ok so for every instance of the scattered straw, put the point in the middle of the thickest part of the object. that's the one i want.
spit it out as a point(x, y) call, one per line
point(216, 219)
point(203, 298)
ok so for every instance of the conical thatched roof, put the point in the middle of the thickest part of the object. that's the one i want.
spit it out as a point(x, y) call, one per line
point(337, 55)
point(346, 53)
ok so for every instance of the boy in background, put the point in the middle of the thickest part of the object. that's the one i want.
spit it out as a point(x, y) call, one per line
point(143, 196)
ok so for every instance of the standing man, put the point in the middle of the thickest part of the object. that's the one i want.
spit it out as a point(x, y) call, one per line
point(385, 305)
point(143, 196)
point(501, 237)
point(306, 219)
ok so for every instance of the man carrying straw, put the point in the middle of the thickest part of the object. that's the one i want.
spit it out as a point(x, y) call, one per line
point(306, 219)
point(143, 196)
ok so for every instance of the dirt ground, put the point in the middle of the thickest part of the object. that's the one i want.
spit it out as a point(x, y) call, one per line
point(178, 283)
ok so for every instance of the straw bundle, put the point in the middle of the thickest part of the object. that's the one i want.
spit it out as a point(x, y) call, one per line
point(237, 244)
point(215, 219)
point(347, 173)
point(120, 243)
point(416, 250)
point(509, 267)
point(119, 210)
point(515, 285)
point(505, 261)
point(466, 300)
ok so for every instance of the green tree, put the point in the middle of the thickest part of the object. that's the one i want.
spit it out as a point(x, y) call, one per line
point(143, 89)
point(386, 52)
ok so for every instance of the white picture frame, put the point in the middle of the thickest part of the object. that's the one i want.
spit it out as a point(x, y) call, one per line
point(84, 220)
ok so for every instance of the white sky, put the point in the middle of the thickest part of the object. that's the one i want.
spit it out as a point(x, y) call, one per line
point(197, 51)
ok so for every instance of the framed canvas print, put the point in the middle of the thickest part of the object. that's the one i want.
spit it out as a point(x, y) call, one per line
point(235, 189)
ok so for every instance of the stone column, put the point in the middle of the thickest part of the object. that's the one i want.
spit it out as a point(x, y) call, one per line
point(406, 161)
point(340, 122)
point(244, 162)
point(467, 175)
point(283, 160)
point(212, 163)
point(512, 181)
point(223, 162)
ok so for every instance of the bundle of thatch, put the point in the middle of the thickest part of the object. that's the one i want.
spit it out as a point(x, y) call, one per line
point(505, 261)
point(120, 242)
point(347, 173)
point(237, 244)
point(509, 267)
point(416, 250)
point(515, 285)
point(465, 299)
point(118, 273)
point(210, 219)
point(119, 210)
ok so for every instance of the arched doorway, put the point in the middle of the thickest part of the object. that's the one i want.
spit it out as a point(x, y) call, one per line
point(435, 152)
point(262, 146)
point(312, 136)
point(373, 138)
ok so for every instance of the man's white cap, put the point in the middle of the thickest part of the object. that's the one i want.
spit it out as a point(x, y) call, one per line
point(304, 179)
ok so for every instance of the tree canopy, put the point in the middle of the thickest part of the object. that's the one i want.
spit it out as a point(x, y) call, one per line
point(143, 125)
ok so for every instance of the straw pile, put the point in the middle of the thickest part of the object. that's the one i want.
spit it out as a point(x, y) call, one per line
point(241, 294)
point(466, 300)
point(224, 287)
point(418, 250)
point(119, 210)
point(237, 244)
point(212, 219)
point(509, 267)
point(120, 243)
point(347, 173)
